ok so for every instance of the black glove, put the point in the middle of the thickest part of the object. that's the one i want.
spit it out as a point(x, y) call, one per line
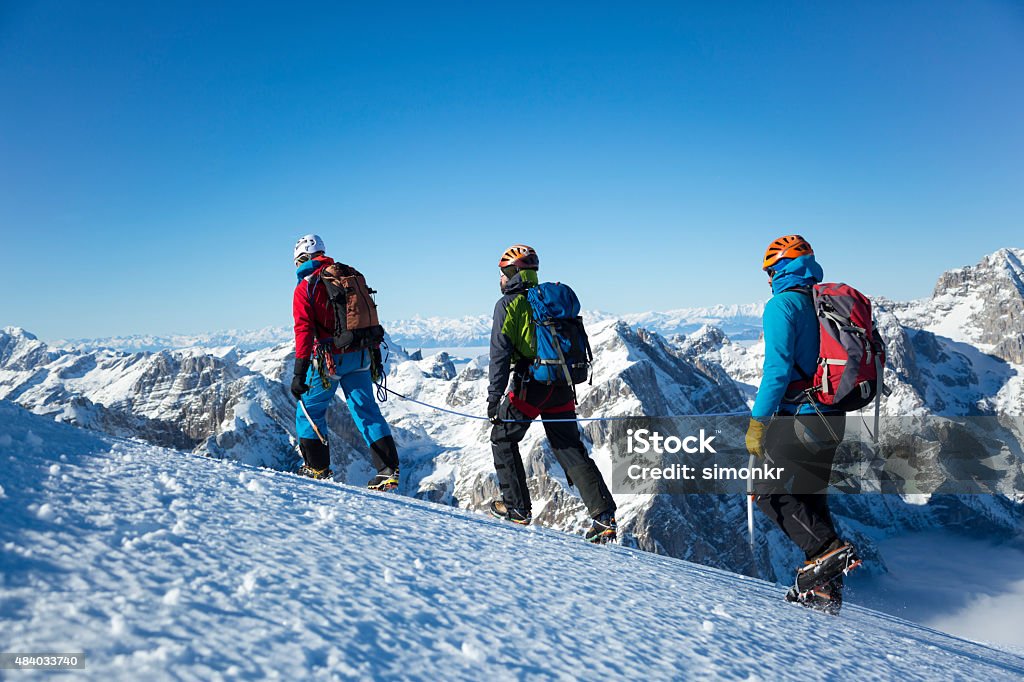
point(299, 386)
point(492, 413)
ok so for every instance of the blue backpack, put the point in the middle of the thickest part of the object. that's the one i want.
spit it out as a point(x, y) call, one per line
point(563, 349)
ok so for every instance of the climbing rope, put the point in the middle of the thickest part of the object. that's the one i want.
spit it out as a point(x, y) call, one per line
point(466, 415)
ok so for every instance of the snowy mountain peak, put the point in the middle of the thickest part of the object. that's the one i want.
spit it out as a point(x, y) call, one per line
point(981, 305)
point(1005, 266)
point(20, 350)
point(17, 332)
point(1009, 256)
point(739, 321)
point(707, 339)
point(639, 370)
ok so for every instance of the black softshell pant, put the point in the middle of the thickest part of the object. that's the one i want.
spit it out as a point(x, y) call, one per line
point(566, 444)
point(805, 447)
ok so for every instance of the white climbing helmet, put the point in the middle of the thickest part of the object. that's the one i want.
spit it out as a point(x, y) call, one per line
point(308, 245)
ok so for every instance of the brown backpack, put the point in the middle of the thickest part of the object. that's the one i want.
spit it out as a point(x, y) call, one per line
point(356, 324)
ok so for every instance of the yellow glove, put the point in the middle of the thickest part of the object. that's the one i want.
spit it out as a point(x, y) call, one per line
point(755, 438)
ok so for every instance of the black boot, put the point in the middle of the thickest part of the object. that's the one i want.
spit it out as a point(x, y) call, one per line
point(827, 598)
point(385, 482)
point(603, 529)
point(838, 559)
point(316, 457)
point(310, 472)
point(500, 510)
point(384, 457)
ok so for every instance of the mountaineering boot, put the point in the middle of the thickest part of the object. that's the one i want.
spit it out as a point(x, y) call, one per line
point(318, 474)
point(384, 457)
point(603, 529)
point(385, 481)
point(827, 598)
point(838, 559)
point(500, 511)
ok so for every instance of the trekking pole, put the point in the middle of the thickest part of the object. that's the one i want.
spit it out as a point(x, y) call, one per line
point(311, 422)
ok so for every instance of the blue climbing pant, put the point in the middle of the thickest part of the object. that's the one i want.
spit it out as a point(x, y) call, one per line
point(353, 370)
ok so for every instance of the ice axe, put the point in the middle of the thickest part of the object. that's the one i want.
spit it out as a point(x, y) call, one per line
point(751, 462)
point(750, 502)
point(312, 423)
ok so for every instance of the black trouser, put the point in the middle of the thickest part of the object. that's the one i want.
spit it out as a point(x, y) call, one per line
point(384, 455)
point(805, 448)
point(566, 444)
point(315, 454)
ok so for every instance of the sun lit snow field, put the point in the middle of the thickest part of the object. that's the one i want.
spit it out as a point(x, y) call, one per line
point(167, 565)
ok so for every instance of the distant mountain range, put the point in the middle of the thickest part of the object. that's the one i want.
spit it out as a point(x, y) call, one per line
point(740, 322)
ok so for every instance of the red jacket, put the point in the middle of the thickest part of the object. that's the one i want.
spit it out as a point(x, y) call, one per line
point(313, 320)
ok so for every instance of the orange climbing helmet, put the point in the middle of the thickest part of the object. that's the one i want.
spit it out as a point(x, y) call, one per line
point(783, 248)
point(519, 256)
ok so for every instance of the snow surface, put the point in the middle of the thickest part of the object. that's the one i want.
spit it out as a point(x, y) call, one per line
point(172, 566)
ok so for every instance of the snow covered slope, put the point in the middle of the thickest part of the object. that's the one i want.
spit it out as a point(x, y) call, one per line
point(161, 565)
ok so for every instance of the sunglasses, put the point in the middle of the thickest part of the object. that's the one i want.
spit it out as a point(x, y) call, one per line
point(302, 259)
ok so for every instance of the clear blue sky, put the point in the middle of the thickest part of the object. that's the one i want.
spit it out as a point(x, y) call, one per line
point(158, 160)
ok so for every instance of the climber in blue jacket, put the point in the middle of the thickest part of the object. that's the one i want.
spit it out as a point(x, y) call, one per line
point(790, 430)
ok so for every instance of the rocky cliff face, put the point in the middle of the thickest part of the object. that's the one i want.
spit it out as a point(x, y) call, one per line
point(981, 305)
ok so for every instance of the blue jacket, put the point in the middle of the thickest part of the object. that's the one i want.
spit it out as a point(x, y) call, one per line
point(790, 336)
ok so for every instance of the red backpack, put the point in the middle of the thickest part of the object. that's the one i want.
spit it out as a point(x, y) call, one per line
point(851, 356)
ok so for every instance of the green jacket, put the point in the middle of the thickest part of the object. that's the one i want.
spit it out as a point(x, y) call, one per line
point(513, 337)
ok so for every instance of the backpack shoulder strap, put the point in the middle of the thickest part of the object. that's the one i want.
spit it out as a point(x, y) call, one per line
point(346, 270)
point(809, 292)
point(311, 282)
point(806, 291)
